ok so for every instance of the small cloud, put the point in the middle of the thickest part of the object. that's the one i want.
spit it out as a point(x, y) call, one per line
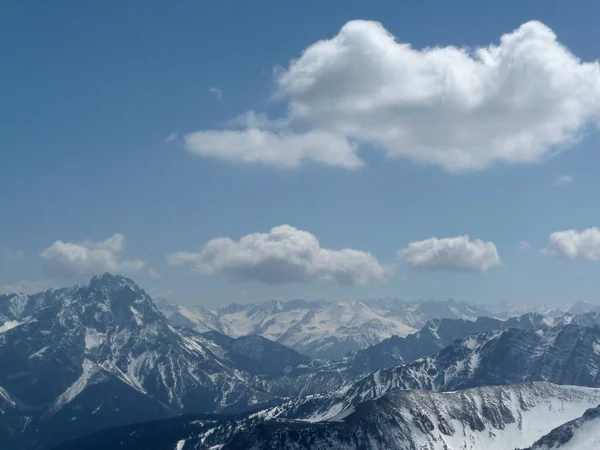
point(172, 137)
point(574, 244)
point(88, 257)
point(17, 254)
point(524, 245)
point(153, 273)
point(218, 92)
point(563, 179)
point(457, 254)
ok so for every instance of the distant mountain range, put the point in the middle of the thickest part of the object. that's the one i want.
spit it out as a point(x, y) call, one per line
point(96, 358)
point(327, 329)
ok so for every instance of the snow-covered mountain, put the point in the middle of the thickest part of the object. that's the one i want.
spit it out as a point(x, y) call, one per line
point(416, 314)
point(567, 354)
point(432, 338)
point(323, 329)
point(484, 418)
point(320, 329)
point(579, 434)
point(90, 357)
point(331, 329)
point(79, 359)
point(490, 418)
point(103, 355)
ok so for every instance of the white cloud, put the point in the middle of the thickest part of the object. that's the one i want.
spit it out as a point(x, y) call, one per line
point(17, 254)
point(524, 245)
point(218, 92)
point(516, 101)
point(153, 273)
point(275, 148)
point(27, 286)
point(574, 244)
point(171, 137)
point(457, 254)
point(88, 258)
point(283, 255)
point(563, 179)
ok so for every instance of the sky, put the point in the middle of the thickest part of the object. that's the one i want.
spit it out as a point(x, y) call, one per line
point(220, 152)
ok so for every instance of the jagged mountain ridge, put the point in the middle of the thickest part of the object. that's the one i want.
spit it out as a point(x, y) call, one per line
point(102, 355)
point(568, 354)
point(432, 338)
point(97, 348)
point(491, 417)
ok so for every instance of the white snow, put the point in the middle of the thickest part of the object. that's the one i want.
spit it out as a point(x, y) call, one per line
point(39, 353)
point(315, 327)
point(9, 325)
point(535, 408)
point(137, 316)
point(89, 370)
point(4, 395)
point(587, 437)
point(93, 338)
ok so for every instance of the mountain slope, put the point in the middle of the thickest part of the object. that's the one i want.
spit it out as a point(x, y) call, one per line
point(564, 355)
point(491, 418)
point(578, 434)
point(432, 338)
point(498, 417)
point(81, 359)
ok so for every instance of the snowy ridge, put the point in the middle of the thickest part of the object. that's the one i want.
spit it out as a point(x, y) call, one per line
point(563, 355)
point(491, 418)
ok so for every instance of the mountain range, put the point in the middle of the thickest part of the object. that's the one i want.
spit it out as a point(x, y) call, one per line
point(91, 362)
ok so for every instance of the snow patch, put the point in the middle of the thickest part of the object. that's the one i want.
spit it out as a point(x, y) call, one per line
point(93, 338)
point(89, 370)
point(10, 324)
point(137, 316)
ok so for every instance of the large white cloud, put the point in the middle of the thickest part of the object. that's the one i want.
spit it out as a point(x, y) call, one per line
point(516, 101)
point(283, 255)
point(574, 244)
point(457, 254)
point(88, 258)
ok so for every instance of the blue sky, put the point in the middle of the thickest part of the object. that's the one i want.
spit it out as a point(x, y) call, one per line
point(90, 92)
